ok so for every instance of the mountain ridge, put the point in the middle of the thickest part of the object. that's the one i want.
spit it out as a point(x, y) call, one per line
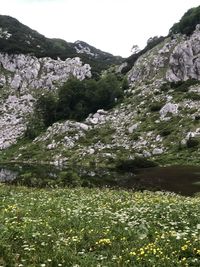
point(16, 38)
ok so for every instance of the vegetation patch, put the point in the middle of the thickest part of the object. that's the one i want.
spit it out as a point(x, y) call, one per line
point(132, 164)
point(192, 142)
point(180, 86)
point(91, 227)
point(156, 106)
point(188, 22)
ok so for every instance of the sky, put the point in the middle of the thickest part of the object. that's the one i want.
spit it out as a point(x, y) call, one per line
point(113, 26)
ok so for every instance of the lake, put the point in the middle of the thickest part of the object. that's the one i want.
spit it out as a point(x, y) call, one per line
point(183, 180)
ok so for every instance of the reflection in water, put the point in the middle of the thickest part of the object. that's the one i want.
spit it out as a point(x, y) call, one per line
point(7, 175)
point(179, 179)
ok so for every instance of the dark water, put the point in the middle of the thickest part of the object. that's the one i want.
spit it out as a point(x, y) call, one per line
point(178, 179)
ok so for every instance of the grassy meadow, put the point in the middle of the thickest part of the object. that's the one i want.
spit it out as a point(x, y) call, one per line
point(97, 227)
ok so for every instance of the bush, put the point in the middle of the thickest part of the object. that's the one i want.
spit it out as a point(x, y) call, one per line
point(193, 96)
point(77, 99)
point(188, 22)
point(132, 164)
point(34, 127)
point(192, 142)
point(165, 132)
point(156, 107)
point(46, 106)
point(197, 118)
point(180, 86)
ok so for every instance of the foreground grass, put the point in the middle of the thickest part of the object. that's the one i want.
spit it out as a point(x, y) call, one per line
point(93, 227)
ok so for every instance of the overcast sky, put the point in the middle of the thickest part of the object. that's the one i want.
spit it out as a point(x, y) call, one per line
point(111, 25)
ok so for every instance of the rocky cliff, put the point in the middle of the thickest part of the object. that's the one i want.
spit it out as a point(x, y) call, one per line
point(159, 117)
point(22, 79)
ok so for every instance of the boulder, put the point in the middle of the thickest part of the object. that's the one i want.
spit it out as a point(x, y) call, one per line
point(157, 151)
point(133, 127)
point(169, 108)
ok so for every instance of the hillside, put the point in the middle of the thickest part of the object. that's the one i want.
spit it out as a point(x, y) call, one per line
point(158, 117)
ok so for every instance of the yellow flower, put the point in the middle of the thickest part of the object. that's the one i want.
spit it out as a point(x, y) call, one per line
point(104, 241)
point(184, 247)
point(132, 253)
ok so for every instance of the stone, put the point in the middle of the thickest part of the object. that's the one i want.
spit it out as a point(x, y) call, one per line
point(7, 175)
point(102, 112)
point(91, 151)
point(133, 127)
point(169, 108)
point(184, 61)
point(94, 120)
point(51, 146)
point(157, 151)
point(83, 126)
point(96, 115)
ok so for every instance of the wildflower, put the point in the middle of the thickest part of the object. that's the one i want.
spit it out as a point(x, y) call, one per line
point(104, 241)
point(184, 247)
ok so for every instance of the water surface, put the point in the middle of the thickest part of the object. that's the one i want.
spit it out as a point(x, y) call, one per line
point(183, 180)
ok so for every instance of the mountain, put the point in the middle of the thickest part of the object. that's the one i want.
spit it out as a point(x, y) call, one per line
point(158, 118)
point(17, 38)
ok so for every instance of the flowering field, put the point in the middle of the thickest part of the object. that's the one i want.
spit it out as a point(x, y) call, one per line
point(93, 227)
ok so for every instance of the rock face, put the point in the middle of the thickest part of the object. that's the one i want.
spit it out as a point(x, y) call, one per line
point(31, 72)
point(21, 76)
point(184, 61)
point(7, 175)
point(169, 108)
point(13, 119)
point(178, 57)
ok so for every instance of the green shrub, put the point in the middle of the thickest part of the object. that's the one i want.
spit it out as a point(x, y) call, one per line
point(132, 164)
point(180, 86)
point(197, 118)
point(34, 127)
point(165, 132)
point(77, 99)
point(193, 96)
point(188, 22)
point(155, 107)
point(192, 142)
point(46, 106)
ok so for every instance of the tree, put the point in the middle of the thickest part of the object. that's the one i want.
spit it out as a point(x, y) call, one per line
point(135, 49)
point(188, 22)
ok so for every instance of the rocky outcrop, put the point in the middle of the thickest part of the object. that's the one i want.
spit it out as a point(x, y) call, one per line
point(7, 175)
point(176, 59)
point(20, 78)
point(30, 72)
point(184, 61)
point(14, 112)
point(149, 65)
point(169, 108)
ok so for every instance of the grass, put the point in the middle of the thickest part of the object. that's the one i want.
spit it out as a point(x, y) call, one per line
point(93, 227)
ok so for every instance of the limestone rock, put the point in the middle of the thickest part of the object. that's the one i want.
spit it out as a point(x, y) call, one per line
point(20, 76)
point(169, 108)
point(185, 60)
point(157, 151)
point(133, 127)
